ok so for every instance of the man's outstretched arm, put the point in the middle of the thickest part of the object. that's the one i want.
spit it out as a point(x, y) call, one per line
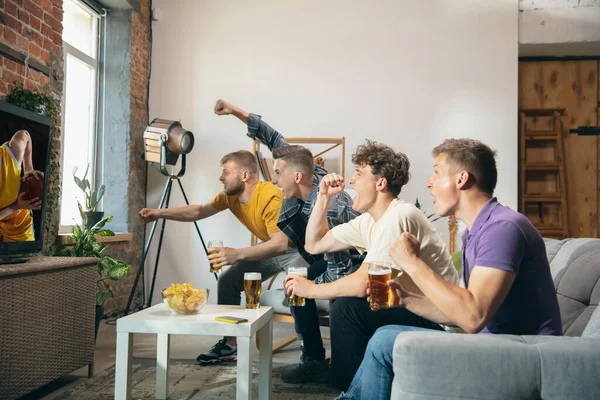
point(257, 128)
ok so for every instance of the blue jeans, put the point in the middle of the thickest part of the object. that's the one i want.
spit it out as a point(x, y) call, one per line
point(377, 366)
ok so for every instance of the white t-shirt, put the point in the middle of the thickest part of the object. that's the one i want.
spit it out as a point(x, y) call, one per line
point(376, 237)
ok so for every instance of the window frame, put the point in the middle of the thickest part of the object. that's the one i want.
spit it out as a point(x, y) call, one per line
point(96, 112)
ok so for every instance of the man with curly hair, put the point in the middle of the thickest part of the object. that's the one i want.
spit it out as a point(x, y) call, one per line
point(379, 177)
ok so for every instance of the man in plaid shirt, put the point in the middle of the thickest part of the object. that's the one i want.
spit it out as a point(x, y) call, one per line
point(299, 177)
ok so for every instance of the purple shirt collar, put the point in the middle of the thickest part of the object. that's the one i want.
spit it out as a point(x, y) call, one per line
point(481, 218)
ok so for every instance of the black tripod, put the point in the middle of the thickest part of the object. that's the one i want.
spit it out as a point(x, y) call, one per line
point(164, 203)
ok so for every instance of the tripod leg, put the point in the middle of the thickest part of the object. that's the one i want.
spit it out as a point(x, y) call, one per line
point(145, 254)
point(160, 240)
point(195, 223)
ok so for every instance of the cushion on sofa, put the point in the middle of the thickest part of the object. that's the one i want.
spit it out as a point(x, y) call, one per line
point(592, 329)
point(276, 299)
point(578, 287)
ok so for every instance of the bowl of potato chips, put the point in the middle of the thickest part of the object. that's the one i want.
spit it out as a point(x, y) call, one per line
point(183, 298)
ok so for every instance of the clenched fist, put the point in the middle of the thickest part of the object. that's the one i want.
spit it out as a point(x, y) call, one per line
point(149, 215)
point(331, 184)
point(405, 249)
point(223, 108)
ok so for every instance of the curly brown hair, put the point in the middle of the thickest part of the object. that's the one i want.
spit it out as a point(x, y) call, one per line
point(384, 163)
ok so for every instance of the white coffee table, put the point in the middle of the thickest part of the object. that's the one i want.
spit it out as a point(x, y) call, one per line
point(159, 320)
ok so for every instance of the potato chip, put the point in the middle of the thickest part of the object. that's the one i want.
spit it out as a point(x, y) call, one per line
point(184, 298)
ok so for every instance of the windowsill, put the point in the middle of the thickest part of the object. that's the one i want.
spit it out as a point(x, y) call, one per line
point(67, 238)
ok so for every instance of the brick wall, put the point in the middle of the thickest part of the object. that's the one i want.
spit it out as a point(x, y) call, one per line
point(140, 69)
point(31, 53)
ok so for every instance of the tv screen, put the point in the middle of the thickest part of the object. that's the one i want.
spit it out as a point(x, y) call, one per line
point(25, 145)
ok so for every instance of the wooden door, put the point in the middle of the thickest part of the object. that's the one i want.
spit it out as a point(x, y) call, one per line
point(572, 85)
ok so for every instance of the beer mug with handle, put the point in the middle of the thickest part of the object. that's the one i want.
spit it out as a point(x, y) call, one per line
point(252, 288)
point(212, 248)
point(382, 296)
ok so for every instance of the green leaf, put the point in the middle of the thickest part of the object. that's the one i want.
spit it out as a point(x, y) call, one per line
point(119, 271)
point(100, 193)
point(100, 298)
point(93, 202)
point(105, 232)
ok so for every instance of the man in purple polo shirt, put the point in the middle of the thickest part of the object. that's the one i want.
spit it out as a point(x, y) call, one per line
point(507, 286)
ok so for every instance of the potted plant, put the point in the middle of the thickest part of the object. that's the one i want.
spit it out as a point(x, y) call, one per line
point(92, 198)
point(86, 245)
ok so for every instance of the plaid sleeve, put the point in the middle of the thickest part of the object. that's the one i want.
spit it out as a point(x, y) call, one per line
point(258, 129)
point(339, 264)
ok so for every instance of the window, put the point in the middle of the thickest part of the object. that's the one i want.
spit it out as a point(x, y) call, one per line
point(80, 106)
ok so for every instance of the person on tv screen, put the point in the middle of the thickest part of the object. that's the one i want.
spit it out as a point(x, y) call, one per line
point(16, 221)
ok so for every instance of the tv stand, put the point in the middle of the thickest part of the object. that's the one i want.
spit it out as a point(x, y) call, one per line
point(12, 260)
point(47, 309)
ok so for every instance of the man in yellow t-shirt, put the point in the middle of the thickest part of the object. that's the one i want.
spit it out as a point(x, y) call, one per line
point(16, 222)
point(256, 204)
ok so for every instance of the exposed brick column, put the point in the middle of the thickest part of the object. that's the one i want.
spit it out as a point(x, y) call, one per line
point(140, 71)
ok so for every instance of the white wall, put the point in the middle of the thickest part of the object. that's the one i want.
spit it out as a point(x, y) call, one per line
point(559, 27)
point(408, 74)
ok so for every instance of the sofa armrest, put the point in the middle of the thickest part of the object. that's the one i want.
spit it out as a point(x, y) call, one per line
point(433, 365)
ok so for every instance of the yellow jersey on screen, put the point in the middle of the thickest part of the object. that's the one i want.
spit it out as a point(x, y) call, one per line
point(17, 227)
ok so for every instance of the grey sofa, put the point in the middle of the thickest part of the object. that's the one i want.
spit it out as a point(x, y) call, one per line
point(452, 366)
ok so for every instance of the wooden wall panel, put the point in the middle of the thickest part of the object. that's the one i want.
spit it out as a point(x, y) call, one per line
point(572, 85)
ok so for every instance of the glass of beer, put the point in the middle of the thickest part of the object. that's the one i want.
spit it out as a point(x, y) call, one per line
point(297, 301)
point(212, 248)
point(252, 287)
point(382, 296)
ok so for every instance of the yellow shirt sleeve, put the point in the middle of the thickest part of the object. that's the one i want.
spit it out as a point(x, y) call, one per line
point(271, 214)
point(220, 202)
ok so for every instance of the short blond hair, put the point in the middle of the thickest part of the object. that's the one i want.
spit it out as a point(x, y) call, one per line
point(244, 159)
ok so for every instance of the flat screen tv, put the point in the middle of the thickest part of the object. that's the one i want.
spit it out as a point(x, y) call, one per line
point(22, 231)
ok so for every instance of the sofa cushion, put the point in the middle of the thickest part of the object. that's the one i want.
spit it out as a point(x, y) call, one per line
point(436, 365)
point(578, 287)
point(276, 299)
point(592, 329)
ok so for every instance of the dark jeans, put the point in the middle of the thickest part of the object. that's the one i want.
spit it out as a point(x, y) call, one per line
point(306, 320)
point(352, 324)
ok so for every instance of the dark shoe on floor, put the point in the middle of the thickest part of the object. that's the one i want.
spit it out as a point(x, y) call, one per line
point(220, 352)
point(308, 371)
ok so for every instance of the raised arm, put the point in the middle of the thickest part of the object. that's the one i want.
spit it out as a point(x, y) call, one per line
point(189, 213)
point(257, 128)
point(319, 239)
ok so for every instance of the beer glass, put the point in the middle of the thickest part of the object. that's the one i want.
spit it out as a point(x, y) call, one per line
point(382, 296)
point(252, 287)
point(212, 248)
point(297, 301)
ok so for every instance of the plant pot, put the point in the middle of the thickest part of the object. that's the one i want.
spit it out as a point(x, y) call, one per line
point(99, 315)
point(93, 217)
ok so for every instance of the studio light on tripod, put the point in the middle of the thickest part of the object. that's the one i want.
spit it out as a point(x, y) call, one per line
point(165, 140)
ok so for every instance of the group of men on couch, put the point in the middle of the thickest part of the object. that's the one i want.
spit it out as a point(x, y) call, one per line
point(506, 285)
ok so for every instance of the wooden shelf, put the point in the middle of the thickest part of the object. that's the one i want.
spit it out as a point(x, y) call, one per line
point(545, 198)
point(553, 166)
point(542, 136)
